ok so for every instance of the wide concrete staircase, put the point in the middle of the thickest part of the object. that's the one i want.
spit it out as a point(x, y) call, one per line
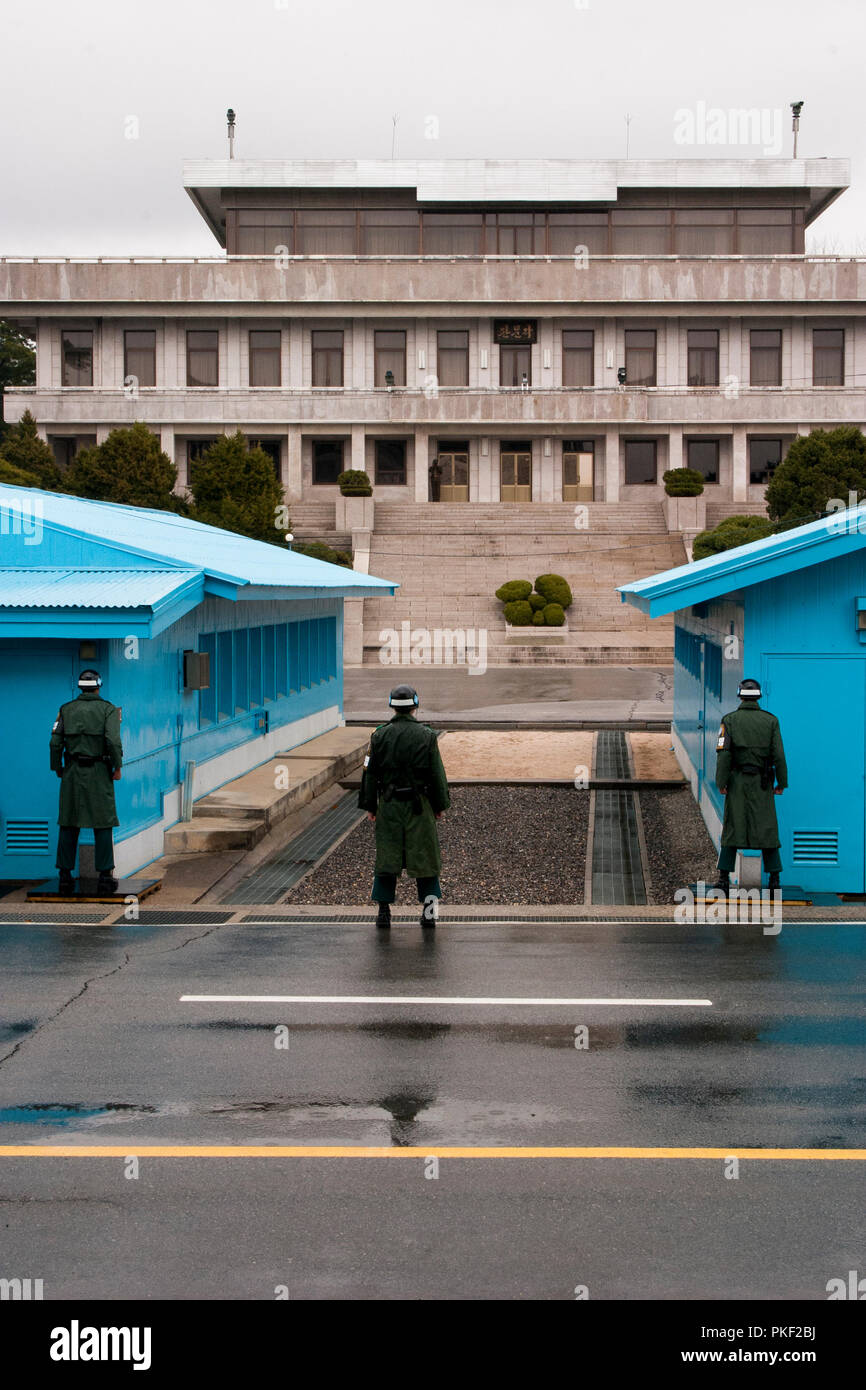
point(450, 558)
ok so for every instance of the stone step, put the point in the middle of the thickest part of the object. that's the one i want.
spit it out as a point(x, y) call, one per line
point(210, 834)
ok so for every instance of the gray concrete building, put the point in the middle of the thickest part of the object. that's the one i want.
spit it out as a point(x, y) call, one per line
point(468, 331)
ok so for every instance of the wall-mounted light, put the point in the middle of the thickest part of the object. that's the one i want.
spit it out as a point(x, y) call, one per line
point(422, 360)
point(610, 358)
point(483, 362)
point(545, 358)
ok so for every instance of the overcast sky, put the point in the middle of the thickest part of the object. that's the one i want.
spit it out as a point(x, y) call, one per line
point(323, 78)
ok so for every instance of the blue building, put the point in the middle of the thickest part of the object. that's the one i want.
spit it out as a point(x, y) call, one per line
point(791, 611)
point(137, 594)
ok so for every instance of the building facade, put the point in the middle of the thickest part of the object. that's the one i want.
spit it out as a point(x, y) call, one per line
point(467, 331)
point(221, 652)
point(790, 611)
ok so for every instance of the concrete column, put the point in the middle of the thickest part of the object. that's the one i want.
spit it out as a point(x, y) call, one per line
point(486, 377)
point(353, 631)
point(356, 370)
point(739, 465)
point(485, 481)
point(547, 484)
point(294, 471)
point(233, 355)
point(166, 440)
point(44, 333)
point(734, 366)
point(296, 355)
point(668, 374)
point(611, 466)
point(102, 433)
point(609, 335)
point(422, 463)
point(676, 452)
point(358, 458)
point(545, 334)
point(800, 377)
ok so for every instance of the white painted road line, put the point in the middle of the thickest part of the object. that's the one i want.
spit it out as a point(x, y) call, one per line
point(481, 1000)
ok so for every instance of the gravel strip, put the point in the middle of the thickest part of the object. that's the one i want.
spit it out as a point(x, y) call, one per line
point(678, 846)
point(504, 844)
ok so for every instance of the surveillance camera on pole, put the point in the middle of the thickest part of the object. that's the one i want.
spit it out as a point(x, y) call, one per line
point(796, 108)
point(230, 117)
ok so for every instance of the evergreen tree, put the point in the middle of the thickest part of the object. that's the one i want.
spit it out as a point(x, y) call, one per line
point(17, 361)
point(128, 467)
point(23, 451)
point(818, 466)
point(235, 487)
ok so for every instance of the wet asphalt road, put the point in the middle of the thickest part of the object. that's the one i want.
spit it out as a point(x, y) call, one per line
point(97, 1049)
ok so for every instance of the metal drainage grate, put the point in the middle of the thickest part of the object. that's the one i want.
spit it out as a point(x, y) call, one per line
point(87, 918)
point(617, 876)
point(152, 916)
point(449, 918)
point(611, 754)
point(276, 876)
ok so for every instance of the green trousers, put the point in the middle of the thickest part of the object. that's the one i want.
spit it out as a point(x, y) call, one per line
point(103, 848)
point(385, 888)
point(728, 860)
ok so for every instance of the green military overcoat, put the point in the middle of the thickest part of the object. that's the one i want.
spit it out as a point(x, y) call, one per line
point(405, 753)
point(747, 737)
point(91, 726)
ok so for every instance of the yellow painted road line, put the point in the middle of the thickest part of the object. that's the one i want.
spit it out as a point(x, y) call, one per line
point(388, 1151)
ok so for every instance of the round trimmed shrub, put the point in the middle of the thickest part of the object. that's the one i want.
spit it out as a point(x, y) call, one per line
point(538, 618)
point(518, 613)
point(537, 602)
point(554, 589)
point(683, 482)
point(355, 483)
point(554, 615)
point(513, 590)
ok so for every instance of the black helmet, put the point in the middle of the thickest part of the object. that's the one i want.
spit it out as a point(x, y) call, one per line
point(89, 680)
point(403, 697)
point(749, 690)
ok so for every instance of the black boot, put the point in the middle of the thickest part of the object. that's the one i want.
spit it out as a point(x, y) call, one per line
point(107, 884)
point(774, 884)
point(724, 883)
point(383, 917)
point(65, 881)
point(429, 914)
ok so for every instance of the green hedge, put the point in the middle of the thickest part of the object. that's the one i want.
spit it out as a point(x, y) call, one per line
point(733, 531)
point(513, 590)
point(683, 482)
point(355, 483)
point(318, 550)
point(518, 613)
point(537, 602)
point(554, 615)
point(554, 589)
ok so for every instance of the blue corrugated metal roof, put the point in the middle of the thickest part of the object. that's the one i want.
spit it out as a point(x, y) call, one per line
point(86, 588)
point(750, 564)
point(190, 544)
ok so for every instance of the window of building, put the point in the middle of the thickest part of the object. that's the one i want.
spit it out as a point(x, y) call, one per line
point(196, 447)
point(703, 456)
point(640, 460)
point(704, 232)
point(641, 232)
point(578, 464)
point(327, 348)
point(202, 357)
point(764, 456)
point(265, 347)
point(250, 667)
point(65, 447)
point(389, 351)
point(571, 230)
point(271, 447)
point(327, 461)
point(515, 470)
point(453, 233)
point(452, 358)
point(578, 350)
point(261, 230)
point(828, 357)
point(766, 357)
point(640, 357)
point(77, 354)
point(515, 365)
point(515, 234)
point(765, 231)
point(386, 232)
point(391, 462)
point(139, 355)
point(703, 354)
point(325, 232)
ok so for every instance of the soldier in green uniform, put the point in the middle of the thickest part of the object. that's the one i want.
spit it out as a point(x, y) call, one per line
point(86, 754)
point(750, 771)
point(404, 790)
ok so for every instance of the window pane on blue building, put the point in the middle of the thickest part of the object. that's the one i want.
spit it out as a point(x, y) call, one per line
point(268, 668)
point(304, 656)
point(225, 683)
point(207, 698)
point(242, 670)
point(255, 665)
point(282, 660)
point(294, 657)
point(713, 669)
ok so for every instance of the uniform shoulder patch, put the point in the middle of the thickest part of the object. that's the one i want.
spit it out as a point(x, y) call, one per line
point(724, 739)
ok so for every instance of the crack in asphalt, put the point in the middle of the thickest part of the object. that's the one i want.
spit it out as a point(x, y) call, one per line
point(93, 979)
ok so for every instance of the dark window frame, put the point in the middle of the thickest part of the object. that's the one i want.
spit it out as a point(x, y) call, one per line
point(827, 348)
point(256, 353)
point(759, 353)
point(381, 354)
point(383, 477)
point(339, 466)
point(451, 355)
point(151, 352)
point(701, 354)
point(213, 352)
point(632, 348)
point(68, 350)
point(629, 446)
point(571, 352)
point(323, 358)
point(712, 476)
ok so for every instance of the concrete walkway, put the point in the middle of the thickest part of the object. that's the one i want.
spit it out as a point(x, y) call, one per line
point(571, 695)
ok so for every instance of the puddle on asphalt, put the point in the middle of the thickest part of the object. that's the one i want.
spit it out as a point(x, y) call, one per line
point(61, 1116)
